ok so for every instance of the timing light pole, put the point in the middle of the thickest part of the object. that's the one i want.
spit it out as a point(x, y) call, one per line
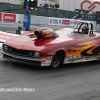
point(29, 5)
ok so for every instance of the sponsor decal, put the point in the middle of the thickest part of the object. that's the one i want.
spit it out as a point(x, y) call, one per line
point(90, 58)
point(71, 22)
point(55, 21)
point(51, 21)
point(49, 58)
point(25, 18)
point(87, 58)
point(47, 31)
point(96, 58)
point(83, 59)
point(31, 35)
point(0, 16)
point(67, 62)
point(65, 22)
point(91, 6)
point(9, 17)
point(75, 22)
point(26, 22)
point(79, 60)
point(49, 35)
point(46, 63)
point(75, 61)
point(78, 56)
point(60, 21)
point(73, 57)
point(69, 58)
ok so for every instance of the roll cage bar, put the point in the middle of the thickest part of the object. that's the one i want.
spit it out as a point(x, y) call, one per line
point(89, 24)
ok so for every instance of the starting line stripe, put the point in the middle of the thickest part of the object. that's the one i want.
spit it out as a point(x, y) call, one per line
point(5, 36)
point(9, 33)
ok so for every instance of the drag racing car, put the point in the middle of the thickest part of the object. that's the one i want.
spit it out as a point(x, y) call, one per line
point(45, 47)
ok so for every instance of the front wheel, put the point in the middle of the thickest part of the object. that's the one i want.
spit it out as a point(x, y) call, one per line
point(56, 60)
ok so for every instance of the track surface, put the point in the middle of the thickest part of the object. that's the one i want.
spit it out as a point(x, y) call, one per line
point(79, 81)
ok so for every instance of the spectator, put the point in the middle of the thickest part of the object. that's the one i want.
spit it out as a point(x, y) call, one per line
point(98, 19)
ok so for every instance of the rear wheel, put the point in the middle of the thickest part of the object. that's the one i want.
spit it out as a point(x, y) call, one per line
point(56, 60)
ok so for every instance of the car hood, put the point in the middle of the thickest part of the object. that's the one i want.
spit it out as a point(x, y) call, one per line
point(25, 42)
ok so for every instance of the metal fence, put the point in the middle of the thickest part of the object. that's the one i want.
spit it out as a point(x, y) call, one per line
point(38, 11)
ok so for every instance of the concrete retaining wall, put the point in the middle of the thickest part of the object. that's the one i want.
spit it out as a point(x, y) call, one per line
point(40, 20)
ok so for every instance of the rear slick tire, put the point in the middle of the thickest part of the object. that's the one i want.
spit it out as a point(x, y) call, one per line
point(56, 60)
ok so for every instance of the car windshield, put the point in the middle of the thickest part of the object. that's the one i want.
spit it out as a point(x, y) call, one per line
point(77, 34)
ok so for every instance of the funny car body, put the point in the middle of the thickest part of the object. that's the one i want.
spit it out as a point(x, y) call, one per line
point(45, 47)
